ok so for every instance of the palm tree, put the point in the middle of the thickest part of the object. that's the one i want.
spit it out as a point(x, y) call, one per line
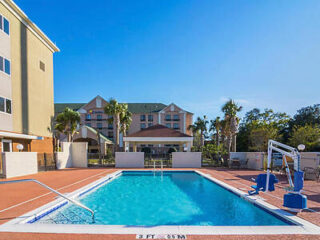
point(115, 109)
point(125, 120)
point(230, 109)
point(215, 126)
point(67, 122)
point(200, 125)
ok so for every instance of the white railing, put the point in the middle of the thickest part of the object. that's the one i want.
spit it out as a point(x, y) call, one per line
point(54, 191)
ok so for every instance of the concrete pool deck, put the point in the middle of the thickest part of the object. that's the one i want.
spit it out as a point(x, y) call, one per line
point(21, 198)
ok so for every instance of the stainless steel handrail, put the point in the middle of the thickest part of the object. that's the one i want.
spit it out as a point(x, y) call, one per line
point(52, 190)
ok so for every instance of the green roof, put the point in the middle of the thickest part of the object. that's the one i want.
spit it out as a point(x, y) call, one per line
point(59, 107)
point(145, 107)
point(101, 135)
point(132, 107)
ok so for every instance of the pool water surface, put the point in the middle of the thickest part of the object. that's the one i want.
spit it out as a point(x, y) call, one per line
point(147, 198)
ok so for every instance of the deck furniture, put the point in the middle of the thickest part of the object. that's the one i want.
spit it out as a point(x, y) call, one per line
point(235, 163)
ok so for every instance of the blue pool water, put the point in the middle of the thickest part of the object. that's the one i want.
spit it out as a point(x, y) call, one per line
point(176, 198)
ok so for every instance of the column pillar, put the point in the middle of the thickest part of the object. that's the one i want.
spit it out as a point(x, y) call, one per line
point(189, 145)
point(134, 147)
point(180, 147)
point(126, 147)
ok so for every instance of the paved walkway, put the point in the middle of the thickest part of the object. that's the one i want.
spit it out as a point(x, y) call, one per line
point(17, 199)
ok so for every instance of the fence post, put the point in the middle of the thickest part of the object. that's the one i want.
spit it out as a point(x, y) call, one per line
point(45, 161)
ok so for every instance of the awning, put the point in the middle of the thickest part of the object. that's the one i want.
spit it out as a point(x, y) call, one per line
point(19, 135)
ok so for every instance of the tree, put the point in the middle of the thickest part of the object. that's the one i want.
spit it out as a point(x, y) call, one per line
point(215, 127)
point(308, 135)
point(231, 123)
point(125, 120)
point(116, 110)
point(260, 135)
point(67, 122)
point(213, 152)
point(258, 127)
point(200, 125)
point(307, 116)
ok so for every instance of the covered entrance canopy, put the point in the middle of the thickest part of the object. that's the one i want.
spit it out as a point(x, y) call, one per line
point(90, 135)
point(158, 134)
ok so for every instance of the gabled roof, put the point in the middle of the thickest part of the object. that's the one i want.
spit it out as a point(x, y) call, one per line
point(101, 135)
point(132, 107)
point(59, 107)
point(158, 131)
point(176, 106)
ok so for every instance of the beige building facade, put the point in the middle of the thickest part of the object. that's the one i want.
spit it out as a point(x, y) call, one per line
point(26, 82)
point(144, 115)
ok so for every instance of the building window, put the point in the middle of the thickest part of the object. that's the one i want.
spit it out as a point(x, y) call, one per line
point(88, 124)
point(99, 125)
point(142, 125)
point(176, 117)
point(8, 106)
point(99, 117)
point(96, 112)
point(7, 66)
point(110, 126)
point(142, 118)
point(1, 104)
point(110, 134)
point(150, 124)
point(176, 126)
point(1, 64)
point(6, 26)
point(88, 117)
point(168, 117)
point(168, 125)
point(150, 145)
point(42, 66)
point(1, 21)
point(150, 118)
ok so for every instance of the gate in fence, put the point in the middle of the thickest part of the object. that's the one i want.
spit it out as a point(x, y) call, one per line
point(151, 159)
point(46, 161)
point(97, 160)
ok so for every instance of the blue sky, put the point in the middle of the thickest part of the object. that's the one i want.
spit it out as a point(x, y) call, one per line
point(196, 54)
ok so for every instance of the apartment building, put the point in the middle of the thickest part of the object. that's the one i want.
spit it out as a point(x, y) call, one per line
point(26, 82)
point(144, 115)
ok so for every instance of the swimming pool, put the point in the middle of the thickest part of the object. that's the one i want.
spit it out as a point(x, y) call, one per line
point(177, 202)
point(147, 198)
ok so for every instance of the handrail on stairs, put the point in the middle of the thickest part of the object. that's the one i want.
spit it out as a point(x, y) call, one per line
point(54, 191)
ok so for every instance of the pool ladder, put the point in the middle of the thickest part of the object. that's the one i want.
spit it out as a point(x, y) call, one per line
point(161, 167)
point(54, 191)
